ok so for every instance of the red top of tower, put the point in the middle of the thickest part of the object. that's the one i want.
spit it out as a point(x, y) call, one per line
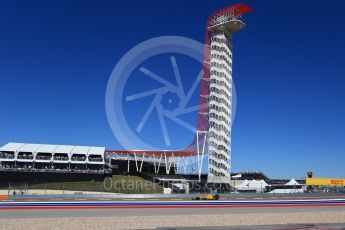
point(238, 10)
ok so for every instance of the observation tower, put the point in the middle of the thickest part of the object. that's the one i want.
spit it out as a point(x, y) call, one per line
point(216, 89)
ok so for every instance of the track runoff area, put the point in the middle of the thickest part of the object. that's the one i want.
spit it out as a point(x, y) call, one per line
point(172, 204)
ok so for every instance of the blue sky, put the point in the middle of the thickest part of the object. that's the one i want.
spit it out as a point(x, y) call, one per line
point(56, 58)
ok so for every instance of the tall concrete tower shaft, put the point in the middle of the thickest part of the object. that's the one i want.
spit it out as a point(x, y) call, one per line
point(220, 29)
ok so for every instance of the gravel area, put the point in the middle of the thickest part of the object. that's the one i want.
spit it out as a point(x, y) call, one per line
point(151, 222)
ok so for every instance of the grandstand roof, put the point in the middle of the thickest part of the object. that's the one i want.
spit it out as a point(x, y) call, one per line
point(96, 150)
point(64, 149)
point(80, 150)
point(43, 148)
point(47, 148)
point(12, 147)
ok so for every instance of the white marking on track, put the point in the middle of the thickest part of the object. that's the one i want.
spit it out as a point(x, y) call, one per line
point(104, 199)
point(152, 199)
point(175, 199)
point(80, 199)
point(129, 199)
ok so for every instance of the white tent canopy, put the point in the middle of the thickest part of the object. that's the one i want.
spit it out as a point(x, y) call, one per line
point(292, 182)
point(244, 184)
point(258, 185)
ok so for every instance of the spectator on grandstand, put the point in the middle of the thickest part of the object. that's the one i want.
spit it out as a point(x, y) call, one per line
point(6, 155)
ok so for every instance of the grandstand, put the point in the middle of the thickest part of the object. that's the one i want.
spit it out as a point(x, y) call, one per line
point(20, 160)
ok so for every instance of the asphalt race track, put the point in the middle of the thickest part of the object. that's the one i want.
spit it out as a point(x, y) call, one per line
point(170, 204)
point(167, 213)
point(96, 212)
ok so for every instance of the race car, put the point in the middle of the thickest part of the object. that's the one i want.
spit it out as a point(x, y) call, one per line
point(207, 197)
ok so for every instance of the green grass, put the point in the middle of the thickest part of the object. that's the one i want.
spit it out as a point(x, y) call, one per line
point(114, 184)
